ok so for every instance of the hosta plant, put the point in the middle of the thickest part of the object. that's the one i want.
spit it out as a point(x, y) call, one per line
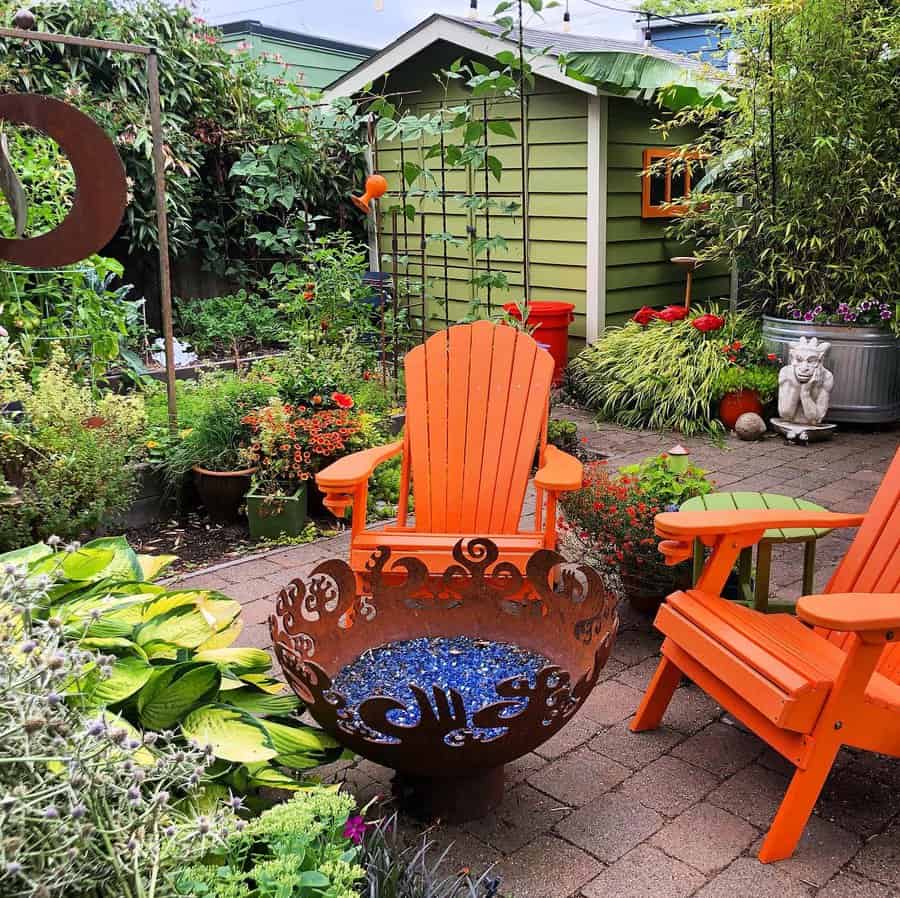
point(89, 807)
point(173, 666)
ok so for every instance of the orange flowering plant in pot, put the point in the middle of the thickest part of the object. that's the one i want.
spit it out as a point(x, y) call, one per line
point(610, 522)
point(289, 444)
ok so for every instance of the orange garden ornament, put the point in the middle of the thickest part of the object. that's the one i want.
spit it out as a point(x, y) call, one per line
point(376, 187)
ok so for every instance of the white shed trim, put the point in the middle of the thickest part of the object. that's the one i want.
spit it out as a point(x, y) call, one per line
point(437, 28)
point(597, 163)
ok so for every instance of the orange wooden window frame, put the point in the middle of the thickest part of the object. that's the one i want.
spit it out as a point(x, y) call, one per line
point(648, 209)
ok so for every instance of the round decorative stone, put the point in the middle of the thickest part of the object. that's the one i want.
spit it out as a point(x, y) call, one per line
point(750, 426)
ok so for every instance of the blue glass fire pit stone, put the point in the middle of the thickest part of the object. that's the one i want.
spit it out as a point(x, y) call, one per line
point(471, 666)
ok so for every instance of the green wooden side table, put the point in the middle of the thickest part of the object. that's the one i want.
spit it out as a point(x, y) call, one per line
point(758, 597)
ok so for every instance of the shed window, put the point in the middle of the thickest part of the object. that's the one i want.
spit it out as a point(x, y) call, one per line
point(667, 183)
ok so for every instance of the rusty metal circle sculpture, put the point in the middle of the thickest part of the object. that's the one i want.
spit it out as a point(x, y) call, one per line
point(559, 610)
point(100, 187)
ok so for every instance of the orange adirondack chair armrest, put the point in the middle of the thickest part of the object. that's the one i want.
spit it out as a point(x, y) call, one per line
point(685, 525)
point(340, 480)
point(875, 616)
point(561, 472)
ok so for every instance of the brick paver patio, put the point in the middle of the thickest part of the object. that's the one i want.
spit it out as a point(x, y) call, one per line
point(598, 811)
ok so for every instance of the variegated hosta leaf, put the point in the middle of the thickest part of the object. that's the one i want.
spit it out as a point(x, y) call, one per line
point(153, 565)
point(234, 735)
point(224, 638)
point(255, 702)
point(300, 747)
point(128, 676)
point(183, 626)
point(240, 660)
point(175, 690)
point(264, 682)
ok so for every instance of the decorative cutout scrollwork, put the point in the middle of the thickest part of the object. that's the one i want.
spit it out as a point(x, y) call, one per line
point(558, 608)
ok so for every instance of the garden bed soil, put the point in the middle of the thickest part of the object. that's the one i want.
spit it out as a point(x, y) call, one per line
point(196, 541)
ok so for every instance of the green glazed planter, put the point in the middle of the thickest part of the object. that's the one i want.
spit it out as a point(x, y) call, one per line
point(271, 517)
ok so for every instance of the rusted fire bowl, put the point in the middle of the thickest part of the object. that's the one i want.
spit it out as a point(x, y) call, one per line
point(449, 762)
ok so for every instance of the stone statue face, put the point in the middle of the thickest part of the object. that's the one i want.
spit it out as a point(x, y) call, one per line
point(806, 357)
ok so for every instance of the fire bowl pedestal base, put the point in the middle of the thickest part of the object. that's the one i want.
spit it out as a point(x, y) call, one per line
point(451, 799)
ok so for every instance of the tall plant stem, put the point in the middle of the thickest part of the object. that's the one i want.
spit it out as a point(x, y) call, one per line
point(523, 155)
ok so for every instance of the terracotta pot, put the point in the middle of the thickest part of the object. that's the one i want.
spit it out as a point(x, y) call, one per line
point(733, 405)
point(222, 492)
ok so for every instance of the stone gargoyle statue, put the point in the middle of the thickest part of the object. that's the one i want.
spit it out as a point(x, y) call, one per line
point(804, 384)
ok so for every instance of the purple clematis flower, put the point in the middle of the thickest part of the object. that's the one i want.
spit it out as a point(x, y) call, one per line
point(355, 829)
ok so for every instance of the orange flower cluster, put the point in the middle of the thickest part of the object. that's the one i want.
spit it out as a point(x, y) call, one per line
point(328, 431)
point(279, 447)
point(291, 443)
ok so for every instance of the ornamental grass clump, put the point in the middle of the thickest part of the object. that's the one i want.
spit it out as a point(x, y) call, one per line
point(609, 522)
point(89, 808)
point(659, 375)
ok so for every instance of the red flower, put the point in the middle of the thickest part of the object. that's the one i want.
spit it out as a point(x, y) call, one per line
point(644, 315)
point(672, 313)
point(772, 357)
point(342, 400)
point(708, 322)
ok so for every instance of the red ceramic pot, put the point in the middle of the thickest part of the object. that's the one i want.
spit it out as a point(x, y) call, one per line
point(733, 405)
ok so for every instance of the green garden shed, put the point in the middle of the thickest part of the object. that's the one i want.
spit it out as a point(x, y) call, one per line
point(594, 239)
point(314, 61)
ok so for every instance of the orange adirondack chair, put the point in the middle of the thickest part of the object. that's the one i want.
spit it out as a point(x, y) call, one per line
point(476, 409)
point(806, 692)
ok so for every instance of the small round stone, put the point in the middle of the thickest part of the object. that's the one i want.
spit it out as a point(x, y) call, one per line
point(750, 426)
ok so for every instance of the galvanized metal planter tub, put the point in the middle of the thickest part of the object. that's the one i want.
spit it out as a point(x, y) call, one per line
point(865, 362)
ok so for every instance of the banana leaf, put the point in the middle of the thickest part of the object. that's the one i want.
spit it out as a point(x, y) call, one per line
point(649, 77)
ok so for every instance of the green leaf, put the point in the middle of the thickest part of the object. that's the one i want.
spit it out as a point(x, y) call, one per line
point(128, 676)
point(153, 565)
point(254, 702)
point(234, 735)
point(298, 740)
point(411, 171)
point(240, 660)
point(175, 690)
point(184, 627)
point(26, 556)
point(113, 643)
point(503, 127)
point(313, 879)
point(474, 132)
point(496, 166)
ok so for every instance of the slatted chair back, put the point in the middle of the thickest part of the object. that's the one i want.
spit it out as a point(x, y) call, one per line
point(872, 563)
point(477, 398)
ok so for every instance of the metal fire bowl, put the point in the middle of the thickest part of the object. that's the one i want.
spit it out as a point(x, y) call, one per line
point(559, 609)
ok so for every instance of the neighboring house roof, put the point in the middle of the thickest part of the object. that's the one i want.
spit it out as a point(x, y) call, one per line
point(485, 38)
point(252, 26)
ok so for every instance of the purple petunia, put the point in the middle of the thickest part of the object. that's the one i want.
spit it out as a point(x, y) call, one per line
point(795, 314)
point(355, 829)
point(885, 314)
point(808, 316)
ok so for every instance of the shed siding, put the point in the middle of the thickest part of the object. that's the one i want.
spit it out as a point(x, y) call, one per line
point(557, 182)
point(317, 66)
point(638, 252)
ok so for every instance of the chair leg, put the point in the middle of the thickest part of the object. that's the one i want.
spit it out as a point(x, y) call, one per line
point(797, 805)
point(657, 697)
